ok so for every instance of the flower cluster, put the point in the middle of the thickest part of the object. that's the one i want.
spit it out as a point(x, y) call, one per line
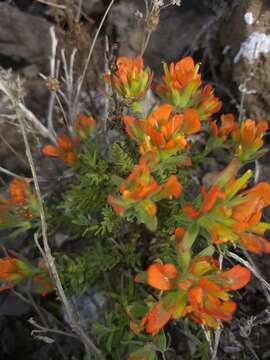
point(193, 286)
point(232, 213)
point(246, 139)
point(200, 293)
point(66, 146)
point(163, 131)
point(181, 87)
point(14, 270)
point(162, 134)
point(129, 78)
point(191, 283)
point(140, 192)
point(19, 207)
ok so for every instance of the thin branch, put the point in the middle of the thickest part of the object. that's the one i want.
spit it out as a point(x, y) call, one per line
point(216, 343)
point(54, 75)
point(45, 2)
point(92, 48)
point(10, 173)
point(79, 10)
point(90, 347)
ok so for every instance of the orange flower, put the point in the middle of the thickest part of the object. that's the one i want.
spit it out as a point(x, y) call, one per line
point(181, 88)
point(209, 200)
point(201, 293)
point(236, 278)
point(230, 214)
point(249, 138)
point(140, 192)
point(228, 125)
point(161, 276)
point(64, 149)
point(208, 104)
point(163, 131)
point(130, 79)
point(84, 122)
point(19, 205)
point(8, 266)
point(12, 271)
point(156, 318)
point(19, 191)
point(141, 185)
point(85, 125)
point(180, 82)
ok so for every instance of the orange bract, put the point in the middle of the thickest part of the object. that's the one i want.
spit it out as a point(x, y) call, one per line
point(19, 191)
point(130, 79)
point(228, 125)
point(249, 138)
point(235, 215)
point(181, 87)
point(208, 103)
point(236, 278)
point(19, 203)
point(64, 149)
point(84, 122)
point(156, 318)
point(179, 75)
point(7, 267)
point(161, 276)
point(141, 191)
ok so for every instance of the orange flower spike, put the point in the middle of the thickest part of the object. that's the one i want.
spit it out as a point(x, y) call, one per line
point(228, 125)
point(249, 138)
point(84, 126)
point(13, 270)
point(180, 74)
point(19, 191)
point(180, 82)
point(84, 122)
point(209, 104)
point(185, 70)
point(64, 149)
point(115, 204)
point(167, 131)
point(235, 278)
point(8, 266)
point(141, 187)
point(130, 79)
point(161, 277)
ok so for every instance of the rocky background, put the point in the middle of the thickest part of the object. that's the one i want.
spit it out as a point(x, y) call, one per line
point(231, 38)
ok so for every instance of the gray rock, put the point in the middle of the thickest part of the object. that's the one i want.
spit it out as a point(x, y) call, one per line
point(245, 42)
point(23, 37)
